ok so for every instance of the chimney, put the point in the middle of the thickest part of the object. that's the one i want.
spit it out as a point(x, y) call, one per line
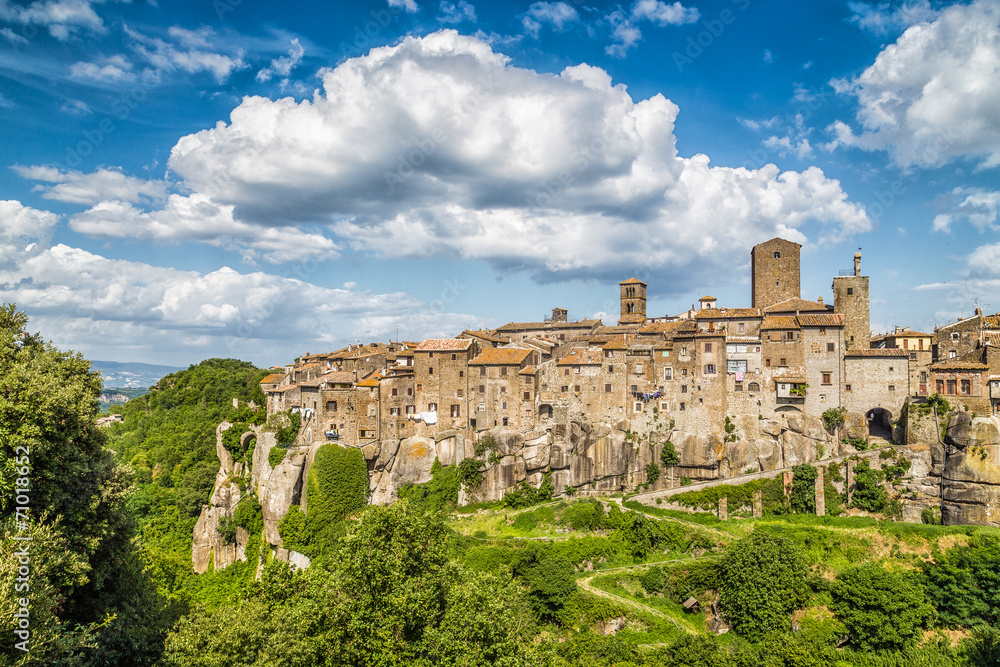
point(979, 312)
point(819, 300)
point(857, 263)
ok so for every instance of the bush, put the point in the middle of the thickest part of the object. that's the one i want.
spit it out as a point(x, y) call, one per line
point(525, 495)
point(669, 455)
point(869, 493)
point(276, 456)
point(470, 472)
point(441, 493)
point(882, 610)
point(834, 418)
point(763, 580)
point(652, 473)
point(337, 484)
point(804, 489)
point(584, 515)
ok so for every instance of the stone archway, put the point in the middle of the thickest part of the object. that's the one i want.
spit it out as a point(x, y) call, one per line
point(788, 408)
point(879, 423)
point(545, 411)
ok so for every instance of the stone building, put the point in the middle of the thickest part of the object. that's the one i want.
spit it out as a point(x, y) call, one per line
point(919, 346)
point(501, 396)
point(557, 330)
point(774, 272)
point(823, 339)
point(850, 299)
point(876, 383)
point(964, 336)
point(441, 377)
point(633, 301)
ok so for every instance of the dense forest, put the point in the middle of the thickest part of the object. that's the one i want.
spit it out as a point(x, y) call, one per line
point(529, 580)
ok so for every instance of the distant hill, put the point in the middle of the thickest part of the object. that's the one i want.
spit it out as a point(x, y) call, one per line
point(131, 375)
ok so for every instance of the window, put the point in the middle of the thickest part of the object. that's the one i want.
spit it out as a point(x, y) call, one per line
point(482, 371)
point(409, 391)
point(708, 347)
point(454, 357)
point(753, 386)
point(709, 369)
point(527, 412)
point(790, 335)
point(767, 363)
point(393, 411)
point(951, 386)
point(736, 366)
point(738, 386)
point(482, 389)
point(831, 347)
point(684, 389)
point(527, 379)
point(920, 344)
point(459, 394)
point(461, 374)
point(607, 389)
point(431, 407)
point(331, 405)
point(503, 405)
point(362, 433)
point(668, 373)
point(638, 368)
point(420, 387)
point(504, 421)
point(684, 349)
point(923, 376)
point(741, 327)
point(611, 369)
point(952, 354)
point(906, 343)
point(576, 370)
point(890, 369)
point(684, 371)
point(635, 388)
point(638, 407)
point(913, 356)
point(395, 391)
point(940, 386)
point(607, 354)
point(503, 390)
point(850, 291)
point(822, 331)
point(527, 395)
point(783, 362)
point(576, 388)
point(410, 409)
point(892, 387)
point(954, 336)
point(482, 407)
point(966, 387)
point(847, 387)
point(565, 371)
point(456, 410)
point(777, 255)
point(503, 370)
point(827, 378)
point(564, 388)
point(430, 370)
point(682, 407)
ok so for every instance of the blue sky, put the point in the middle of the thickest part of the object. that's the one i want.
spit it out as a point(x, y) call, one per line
point(226, 178)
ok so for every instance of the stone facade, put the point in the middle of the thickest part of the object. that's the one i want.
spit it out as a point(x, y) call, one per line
point(774, 267)
point(850, 299)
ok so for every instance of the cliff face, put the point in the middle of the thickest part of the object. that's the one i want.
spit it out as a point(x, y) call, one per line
point(971, 488)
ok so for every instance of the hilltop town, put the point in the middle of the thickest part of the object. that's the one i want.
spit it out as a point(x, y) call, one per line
point(782, 354)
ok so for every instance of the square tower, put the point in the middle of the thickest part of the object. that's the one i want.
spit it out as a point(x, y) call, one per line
point(633, 301)
point(850, 298)
point(774, 272)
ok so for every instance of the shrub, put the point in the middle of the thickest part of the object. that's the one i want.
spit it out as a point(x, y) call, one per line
point(763, 580)
point(652, 473)
point(439, 494)
point(868, 491)
point(882, 610)
point(227, 529)
point(525, 495)
point(804, 489)
point(669, 455)
point(276, 456)
point(470, 472)
point(834, 418)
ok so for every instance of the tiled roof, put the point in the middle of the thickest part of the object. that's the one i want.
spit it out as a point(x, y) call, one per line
point(663, 327)
point(485, 335)
point(273, 378)
point(632, 281)
point(793, 305)
point(519, 326)
point(444, 344)
point(824, 320)
point(371, 380)
point(528, 370)
point(877, 352)
point(726, 313)
point(501, 356)
point(285, 388)
point(779, 322)
point(616, 343)
point(993, 339)
point(582, 358)
point(906, 334)
point(707, 298)
point(338, 377)
point(948, 364)
point(991, 322)
point(631, 319)
point(306, 367)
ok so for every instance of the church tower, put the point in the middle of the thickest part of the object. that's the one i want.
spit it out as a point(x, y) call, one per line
point(633, 300)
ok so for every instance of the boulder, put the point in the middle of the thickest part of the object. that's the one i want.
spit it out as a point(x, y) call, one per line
point(796, 448)
point(737, 457)
point(964, 431)
point(770, 427)
point(536, 456)
point(855, 426)
point(225, 458)
point(768, 453)
point(413, 461)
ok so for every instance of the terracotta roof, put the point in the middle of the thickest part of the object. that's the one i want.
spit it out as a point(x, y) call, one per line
point(793, 305)
point(631, 319)
point(516, 326)
point(307, 366)
point(726, 313)
point(273, 378)
point(444, 344)
point(371, 380)
point(616, 343)
point(285, 388)
point(777, 238)
point(405, 353)
point(485, 335)
point(948, 364)
point(663, 327)
point(905, 334)
point(501, 356)
point(528, 370)
point(582, 358)
point(824, 320)
point(338, 377)
point(877, 352)
point(779, 322)
point(632, 281)
point(791, 379)
point(991, 321)
point(707, 298)
point(993, 339)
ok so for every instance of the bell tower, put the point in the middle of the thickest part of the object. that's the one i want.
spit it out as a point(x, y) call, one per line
point(633, 301)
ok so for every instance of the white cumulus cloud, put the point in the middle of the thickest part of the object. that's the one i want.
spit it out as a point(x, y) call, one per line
point(76, 187)
point(932, 96)
point(284, 65)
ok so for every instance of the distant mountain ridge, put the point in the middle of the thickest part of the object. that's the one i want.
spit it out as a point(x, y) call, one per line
point(131, 375)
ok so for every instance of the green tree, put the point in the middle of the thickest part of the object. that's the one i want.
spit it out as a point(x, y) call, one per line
point(882, 610)
point(668, 456)
point(763, 580)
point(804, 489)
point(652, 473)
point(869, 494)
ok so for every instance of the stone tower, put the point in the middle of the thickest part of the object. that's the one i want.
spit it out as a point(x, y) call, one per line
point(850, 298)
point(774, 272)
point(633, 299)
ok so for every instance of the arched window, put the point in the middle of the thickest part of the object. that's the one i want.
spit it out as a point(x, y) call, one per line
point(753, 386)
